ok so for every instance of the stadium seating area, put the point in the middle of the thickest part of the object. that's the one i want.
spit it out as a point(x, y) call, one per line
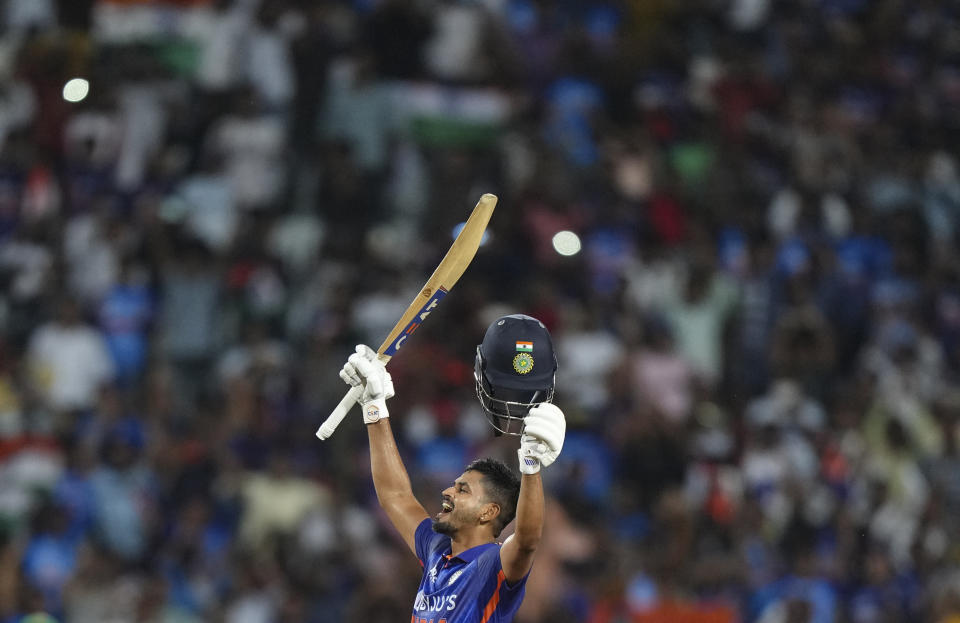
point(759, 343)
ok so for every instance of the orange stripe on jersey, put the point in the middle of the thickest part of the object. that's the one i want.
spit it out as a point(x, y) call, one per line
point(494, 599)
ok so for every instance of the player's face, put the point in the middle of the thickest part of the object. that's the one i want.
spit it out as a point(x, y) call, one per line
point(461, 504)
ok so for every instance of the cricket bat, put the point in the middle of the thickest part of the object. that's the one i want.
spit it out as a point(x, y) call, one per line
point(451, 267)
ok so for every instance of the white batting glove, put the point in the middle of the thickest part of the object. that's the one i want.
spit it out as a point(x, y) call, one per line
point(544, 428)
point(363, 369)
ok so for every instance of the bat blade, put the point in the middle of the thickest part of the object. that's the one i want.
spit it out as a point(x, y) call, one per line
point(448, 271)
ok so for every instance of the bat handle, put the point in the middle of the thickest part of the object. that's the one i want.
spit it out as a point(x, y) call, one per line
point(340, 411)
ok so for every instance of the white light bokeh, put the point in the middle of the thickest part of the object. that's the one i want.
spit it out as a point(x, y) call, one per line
point(566, 243)
point(76, 89)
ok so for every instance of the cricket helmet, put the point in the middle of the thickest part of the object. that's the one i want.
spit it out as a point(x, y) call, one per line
point(515, 369)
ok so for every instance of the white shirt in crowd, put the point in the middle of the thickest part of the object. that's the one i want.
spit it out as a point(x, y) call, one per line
point(253, 151)
point(70, 364)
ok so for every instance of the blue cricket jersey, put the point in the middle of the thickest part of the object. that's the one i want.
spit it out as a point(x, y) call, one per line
point(469, 588)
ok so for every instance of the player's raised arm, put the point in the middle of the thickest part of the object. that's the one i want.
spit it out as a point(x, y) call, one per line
point(390, 477)
point(515, 372)
point(543, 433)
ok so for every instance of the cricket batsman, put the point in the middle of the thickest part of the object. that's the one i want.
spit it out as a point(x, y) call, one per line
point(468, 576)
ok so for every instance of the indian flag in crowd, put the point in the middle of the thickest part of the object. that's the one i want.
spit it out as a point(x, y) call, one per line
point(524, 347)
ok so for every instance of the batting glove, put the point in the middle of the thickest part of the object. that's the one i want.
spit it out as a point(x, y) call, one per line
point(363, 369)
point(544, 428)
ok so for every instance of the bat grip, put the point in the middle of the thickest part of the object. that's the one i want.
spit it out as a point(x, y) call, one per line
point(339, 412)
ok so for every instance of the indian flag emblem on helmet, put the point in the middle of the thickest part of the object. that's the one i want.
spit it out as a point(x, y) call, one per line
point(523, 363)
point(524, 347)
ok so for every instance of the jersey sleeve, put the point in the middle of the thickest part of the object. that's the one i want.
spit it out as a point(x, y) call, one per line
point(504, 596)
point(426, 540)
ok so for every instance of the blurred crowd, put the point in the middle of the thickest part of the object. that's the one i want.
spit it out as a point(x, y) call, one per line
point(759, 342)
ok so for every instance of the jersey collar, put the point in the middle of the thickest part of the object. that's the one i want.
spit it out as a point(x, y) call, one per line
point(469, 555)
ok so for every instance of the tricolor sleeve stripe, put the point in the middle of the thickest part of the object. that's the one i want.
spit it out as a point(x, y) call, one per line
point(494, 599)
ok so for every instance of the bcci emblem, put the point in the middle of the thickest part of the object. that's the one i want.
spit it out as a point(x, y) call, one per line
point(523, 363)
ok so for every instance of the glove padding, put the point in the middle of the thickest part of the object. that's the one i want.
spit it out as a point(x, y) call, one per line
point(364, 369)
point(544, 428)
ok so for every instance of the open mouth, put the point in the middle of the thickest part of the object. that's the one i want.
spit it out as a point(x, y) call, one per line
point(446, 508)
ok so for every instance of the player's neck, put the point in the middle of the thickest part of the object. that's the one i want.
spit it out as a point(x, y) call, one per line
point(465, 541)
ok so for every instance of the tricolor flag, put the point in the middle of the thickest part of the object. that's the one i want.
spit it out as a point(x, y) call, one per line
point(524, 347)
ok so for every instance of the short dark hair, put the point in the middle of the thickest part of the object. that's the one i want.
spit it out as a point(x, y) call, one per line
point(501, 486)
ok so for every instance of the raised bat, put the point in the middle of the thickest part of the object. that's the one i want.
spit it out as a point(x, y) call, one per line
point(451, 267)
